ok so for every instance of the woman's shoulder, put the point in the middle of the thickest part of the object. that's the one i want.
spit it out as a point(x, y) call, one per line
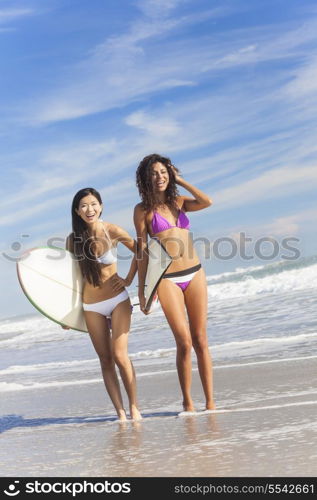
point(114, 231)
point(109, 227)
point(139, 211)
point(180, 202)
point(139, 207)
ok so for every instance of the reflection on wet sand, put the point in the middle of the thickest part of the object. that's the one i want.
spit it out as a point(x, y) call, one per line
point(135, 447)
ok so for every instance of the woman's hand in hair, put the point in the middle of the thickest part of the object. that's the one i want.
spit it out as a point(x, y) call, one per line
point(176, 173)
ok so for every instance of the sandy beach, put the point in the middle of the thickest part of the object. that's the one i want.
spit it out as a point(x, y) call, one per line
point(267, 427)
point(57, 420)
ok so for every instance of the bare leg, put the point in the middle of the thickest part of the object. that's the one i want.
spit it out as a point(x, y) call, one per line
point(196, 303)
point(100, 336)
point(172, 302)
point(121, 319)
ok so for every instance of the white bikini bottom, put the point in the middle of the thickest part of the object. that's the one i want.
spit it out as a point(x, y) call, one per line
point(106, 307)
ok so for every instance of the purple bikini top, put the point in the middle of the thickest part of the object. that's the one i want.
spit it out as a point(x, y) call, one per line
point(159, 223)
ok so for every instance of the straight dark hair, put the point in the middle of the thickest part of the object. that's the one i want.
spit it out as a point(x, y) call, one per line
point(83, 242)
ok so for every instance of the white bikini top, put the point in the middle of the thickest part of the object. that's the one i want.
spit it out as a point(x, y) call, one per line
point(107, 257)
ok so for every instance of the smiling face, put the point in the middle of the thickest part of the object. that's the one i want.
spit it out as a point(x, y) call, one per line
point(160, 177)
point(89, 209)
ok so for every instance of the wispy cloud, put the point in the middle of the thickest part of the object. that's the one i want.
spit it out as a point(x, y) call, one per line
point(278, 227)
point(272, 184)
point(159, 8)
point(232, 165)
point(31, 210)
point(84, 164)
point(99, 84)
point(179, 129)
point(304, 81)
point(162, 127)
point(149, 69)
point(7, 15)
point(213, 118)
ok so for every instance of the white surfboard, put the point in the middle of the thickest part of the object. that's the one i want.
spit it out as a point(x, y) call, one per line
point(159, 262)
point(52, 281)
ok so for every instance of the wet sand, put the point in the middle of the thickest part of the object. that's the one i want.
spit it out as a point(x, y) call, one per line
point(265, 425)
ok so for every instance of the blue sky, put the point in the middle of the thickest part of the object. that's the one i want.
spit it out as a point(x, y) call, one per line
point(226, 88)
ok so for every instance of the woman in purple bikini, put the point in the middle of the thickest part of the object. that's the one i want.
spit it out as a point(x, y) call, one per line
point(161, 213)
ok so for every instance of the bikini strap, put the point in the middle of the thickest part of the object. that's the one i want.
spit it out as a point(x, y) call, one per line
point(106, 233)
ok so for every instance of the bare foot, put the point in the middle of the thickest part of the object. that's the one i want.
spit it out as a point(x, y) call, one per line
point(210, 405)
point(189, 407)
point(122, 416)
point(135, 413)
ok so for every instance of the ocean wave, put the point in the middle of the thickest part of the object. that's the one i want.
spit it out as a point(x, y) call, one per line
point(18, 326)
point(13, 386)
point(17, 387)
point(35, 330)
point(158, 353)
point(80, 364)
point(285, 281)
point(263, 270)
point(236, 348)
point(233, 275)
point(272, 340)
point(61, 365)
point(9, 386)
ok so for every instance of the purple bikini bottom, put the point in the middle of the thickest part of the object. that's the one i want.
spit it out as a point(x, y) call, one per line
point(183, 278)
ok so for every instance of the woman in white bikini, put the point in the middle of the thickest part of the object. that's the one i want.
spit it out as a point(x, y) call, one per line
point(161, 213)
point(93, 243)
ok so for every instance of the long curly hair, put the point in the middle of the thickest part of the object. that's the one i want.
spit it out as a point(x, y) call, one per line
point(83, 242)
point(149, 197)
